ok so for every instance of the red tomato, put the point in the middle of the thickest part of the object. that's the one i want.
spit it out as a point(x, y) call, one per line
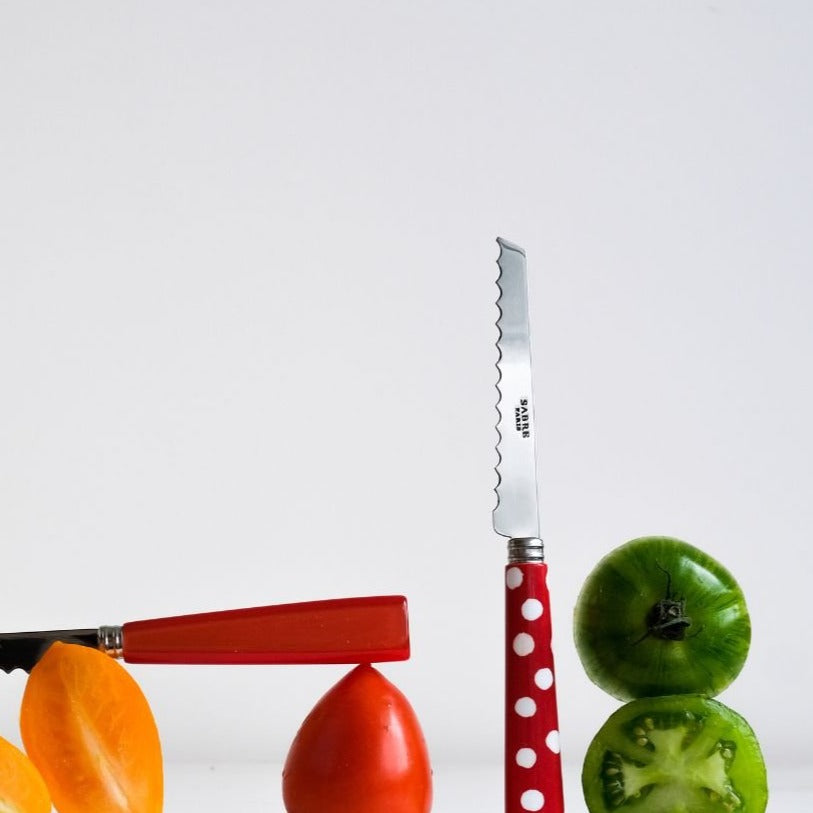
point(360, 750)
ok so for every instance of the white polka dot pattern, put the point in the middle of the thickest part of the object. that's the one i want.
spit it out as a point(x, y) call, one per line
point(523, 644)
point(532, 800)
point(552, 741)
point(513, 578)
point(532, 609)
point(544, 678)
point(526, 757)
point(533, 773)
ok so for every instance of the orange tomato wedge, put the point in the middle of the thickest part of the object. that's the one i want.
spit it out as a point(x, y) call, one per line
point(87, 727)
point(22, 789)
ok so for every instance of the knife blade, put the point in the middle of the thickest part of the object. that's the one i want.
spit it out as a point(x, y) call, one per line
point(533, 770)
point(362, 629)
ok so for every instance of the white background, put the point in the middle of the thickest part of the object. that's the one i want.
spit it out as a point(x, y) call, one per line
point(247, 269)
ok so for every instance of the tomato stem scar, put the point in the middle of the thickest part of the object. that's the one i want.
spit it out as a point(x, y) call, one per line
point(667, 618)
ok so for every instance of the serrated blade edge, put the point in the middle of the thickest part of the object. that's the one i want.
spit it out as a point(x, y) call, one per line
point(516, 514)
point(22, 650)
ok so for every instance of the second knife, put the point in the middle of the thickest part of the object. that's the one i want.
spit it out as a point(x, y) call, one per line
point(533, 769)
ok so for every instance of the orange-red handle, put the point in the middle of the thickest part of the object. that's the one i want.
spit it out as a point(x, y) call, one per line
point(533, 768)
point(351, 630)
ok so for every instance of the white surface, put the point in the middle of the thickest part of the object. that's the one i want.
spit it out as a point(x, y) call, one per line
point(247, 269)
point(459, 788)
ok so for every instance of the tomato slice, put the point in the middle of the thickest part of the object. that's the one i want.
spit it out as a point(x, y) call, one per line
point(658, 616)
point(360, 750)
point(676, 754)
point(22, 789)
point(88, 728)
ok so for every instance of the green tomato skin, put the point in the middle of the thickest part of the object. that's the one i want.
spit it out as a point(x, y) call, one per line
point(611, 621)
point(675, 754)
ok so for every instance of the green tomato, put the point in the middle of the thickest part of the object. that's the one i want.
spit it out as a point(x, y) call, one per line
point(658, 616)
point(676, 754)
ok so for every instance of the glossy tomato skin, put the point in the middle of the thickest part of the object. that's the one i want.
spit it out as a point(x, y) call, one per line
point(675, 754)
point(87, 727)
point(21, 786)
point(360, 750)
point(658, 616)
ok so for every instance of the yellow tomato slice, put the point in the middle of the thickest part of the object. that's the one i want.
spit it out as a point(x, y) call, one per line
point(22, 789)
point(89, 730)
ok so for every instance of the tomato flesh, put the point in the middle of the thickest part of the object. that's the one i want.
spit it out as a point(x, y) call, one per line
point(22, 789)
point(87, 727)
point(658, 616)
point(676, 754)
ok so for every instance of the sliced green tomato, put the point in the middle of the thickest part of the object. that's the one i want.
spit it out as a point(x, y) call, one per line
point(658, 616)
point(677, 754)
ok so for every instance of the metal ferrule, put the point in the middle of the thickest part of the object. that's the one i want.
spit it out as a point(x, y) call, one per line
point(111, 641)
point(526, 549)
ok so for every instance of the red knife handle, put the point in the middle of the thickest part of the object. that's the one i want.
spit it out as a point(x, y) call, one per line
point(533, 767)
point(351, 630)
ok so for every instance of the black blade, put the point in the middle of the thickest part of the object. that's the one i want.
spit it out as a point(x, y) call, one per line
point(22, 650)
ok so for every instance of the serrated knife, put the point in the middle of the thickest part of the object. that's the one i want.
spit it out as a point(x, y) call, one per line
point(533, 770)
point(362, 629)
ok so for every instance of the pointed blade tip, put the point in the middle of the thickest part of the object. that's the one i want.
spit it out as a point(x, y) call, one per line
point(507, 245)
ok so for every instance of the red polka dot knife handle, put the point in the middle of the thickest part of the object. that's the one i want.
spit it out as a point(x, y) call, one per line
point(533, 770)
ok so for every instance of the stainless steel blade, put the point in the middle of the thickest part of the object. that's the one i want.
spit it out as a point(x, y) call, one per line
point(517, 511)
